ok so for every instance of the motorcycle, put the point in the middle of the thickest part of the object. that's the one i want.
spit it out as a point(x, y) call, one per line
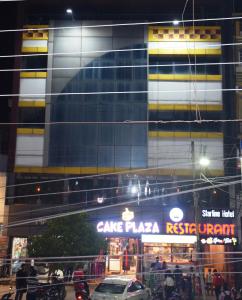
point(8, 295)
point(158, 293)
point(82, 291)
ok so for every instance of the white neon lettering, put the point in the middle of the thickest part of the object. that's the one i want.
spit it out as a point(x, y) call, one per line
point(128, 226)
point(120, 227)
point(133, 227)
point(148, 227)
point(100, 227)
point(155, 228)
point(141, 227)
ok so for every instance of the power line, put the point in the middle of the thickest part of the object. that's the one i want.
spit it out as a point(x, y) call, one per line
point(122, 24)
point(126, 122)
point(50, 217)
point(117, 92)
point(123, 67)
point(102, 51)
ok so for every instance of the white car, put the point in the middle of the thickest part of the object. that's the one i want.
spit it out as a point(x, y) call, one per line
point(121, 289)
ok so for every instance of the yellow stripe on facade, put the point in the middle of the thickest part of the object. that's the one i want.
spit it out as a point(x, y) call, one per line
point(33, 74)
point(185, 77)
point(40, 32)
point(185, 134)
point(36, 26)
point(69, 170)
point(172, 51)
point(180, 172)
point(94, 170)
point(34, 49)
point(32, 103)
point(197, 33)
point(30, 131)
point(203, 107)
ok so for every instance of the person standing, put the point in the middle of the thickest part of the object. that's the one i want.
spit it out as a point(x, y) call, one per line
point(156, 266)
point(32, 284)
point(169, 284)
point(209, 282)
point(21, 282)
point(178, 278)
point(217, 283)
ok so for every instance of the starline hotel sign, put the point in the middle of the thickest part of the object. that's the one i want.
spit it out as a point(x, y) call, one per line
point(217, 225)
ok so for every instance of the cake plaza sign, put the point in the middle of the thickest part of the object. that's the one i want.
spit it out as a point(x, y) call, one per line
point(172, 222)
point(128, 227)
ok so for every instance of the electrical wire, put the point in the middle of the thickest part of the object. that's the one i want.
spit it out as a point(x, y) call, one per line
point(123, 67)
point(54, 216)
point(103, 51)
point(122, 24)
point(116, 92)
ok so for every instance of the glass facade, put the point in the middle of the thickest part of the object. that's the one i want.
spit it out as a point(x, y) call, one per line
point(100, 144)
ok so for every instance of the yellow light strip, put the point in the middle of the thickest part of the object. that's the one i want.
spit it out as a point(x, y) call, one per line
point(203, 107)
point(35, 26)
point(33, 74)
point(185, 134)
point(174, 33)
point(173, 51)
point(32, 103)
point(30, 131)
point(95, 170)
point(34, 49)
point(185, 77)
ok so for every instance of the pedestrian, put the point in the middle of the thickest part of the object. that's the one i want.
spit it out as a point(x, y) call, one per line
point(77, 276)
point(209, 282)
point(169, 284)
point(156, 265)
point(217, 283)
point(32, 284)
point(21, 282)
point(178, 278)
point(225, 293)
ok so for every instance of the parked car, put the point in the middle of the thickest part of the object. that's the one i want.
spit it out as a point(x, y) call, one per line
point(119, 288)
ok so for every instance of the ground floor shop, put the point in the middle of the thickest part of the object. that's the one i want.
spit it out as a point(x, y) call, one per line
point(135, 240)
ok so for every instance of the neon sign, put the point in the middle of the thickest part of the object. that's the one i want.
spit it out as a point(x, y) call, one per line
point(222, 241)
point(206, 229)
point(176, 214)
point(127, 227)
point(217, 213)
point(127, 215)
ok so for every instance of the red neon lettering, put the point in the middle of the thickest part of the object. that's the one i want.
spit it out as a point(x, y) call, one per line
point(204, 228)
point(192, 228)
point(218, 229)
point(209, 228)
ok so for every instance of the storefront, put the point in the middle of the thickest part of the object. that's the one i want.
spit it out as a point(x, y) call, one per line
point(136, 237)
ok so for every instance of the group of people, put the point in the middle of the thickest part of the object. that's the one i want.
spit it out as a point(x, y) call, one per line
point(215, 284)
point(162, 276)
point(187, 285)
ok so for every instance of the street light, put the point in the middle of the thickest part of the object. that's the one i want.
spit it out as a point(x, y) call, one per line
point(204, 162)
point(69, 11)
point(175, 22)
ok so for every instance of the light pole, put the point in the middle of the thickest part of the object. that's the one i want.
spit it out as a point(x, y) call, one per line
point(203, 162)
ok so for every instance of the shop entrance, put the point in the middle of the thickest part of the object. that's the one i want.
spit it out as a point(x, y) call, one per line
point(180, 254)
point(122, 257)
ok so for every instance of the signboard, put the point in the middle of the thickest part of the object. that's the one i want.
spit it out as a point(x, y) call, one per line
point(127, 227)
point(217, 225)
point(222, 213)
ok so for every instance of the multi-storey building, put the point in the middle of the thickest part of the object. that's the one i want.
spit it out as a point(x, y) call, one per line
point(126, 103)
